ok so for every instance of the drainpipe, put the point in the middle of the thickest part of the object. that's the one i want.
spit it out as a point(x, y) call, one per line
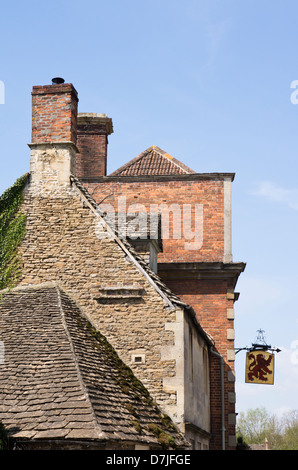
point(222, 397)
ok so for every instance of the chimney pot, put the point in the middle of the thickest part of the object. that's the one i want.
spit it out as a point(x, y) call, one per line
point(58, 80)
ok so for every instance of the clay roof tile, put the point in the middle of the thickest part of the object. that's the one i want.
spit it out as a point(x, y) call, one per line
point(153, 161)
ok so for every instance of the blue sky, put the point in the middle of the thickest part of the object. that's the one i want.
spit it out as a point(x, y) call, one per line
point(210, 83)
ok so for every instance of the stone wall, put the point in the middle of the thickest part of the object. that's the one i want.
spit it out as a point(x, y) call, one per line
point(65, 243)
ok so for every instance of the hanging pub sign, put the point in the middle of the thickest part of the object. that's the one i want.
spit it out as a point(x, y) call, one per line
point(259, 367)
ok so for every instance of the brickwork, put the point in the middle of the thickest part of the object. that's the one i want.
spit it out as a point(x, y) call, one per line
point(175, 193)
point(92, 141)
point(89, 162)
point(54, 113)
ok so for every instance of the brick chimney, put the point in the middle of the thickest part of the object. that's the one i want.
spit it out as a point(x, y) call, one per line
point(54, 136)
point(92, 141)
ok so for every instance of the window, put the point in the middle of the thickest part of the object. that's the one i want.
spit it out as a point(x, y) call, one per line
point(138, 358)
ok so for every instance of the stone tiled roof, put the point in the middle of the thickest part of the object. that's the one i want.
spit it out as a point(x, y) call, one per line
point(153, 161)
point(61, 379)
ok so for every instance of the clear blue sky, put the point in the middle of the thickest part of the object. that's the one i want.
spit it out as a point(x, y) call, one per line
point(209, 82)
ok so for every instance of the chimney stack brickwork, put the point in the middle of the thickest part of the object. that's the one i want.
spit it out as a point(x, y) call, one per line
point(54, 113)
point(92, 141)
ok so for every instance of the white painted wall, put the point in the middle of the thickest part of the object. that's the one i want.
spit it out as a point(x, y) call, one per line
point(196, 385)
point(191, 412)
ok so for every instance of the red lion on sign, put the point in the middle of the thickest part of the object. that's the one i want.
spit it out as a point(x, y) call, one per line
point(259, 367)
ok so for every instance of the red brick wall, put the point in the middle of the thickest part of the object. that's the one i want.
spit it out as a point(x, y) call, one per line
point(209, 300)
point(206, 192)
point(54, 113)
point(92, 144)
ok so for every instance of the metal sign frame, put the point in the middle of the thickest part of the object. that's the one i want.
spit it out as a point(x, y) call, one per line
point(259, 367)
point(260, 361)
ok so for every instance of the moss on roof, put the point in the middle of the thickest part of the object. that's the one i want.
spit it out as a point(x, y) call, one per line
point(62, 363)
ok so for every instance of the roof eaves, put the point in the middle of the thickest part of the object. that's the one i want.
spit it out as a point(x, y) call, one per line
point(160, 178)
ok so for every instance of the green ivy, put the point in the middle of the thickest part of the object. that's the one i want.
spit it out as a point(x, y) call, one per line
point(12, 231)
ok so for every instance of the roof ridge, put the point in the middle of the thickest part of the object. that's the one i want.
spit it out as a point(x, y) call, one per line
point(135, 386)
point(97, 428)
point(174, 160)
point(132, 161)
point(154, 148)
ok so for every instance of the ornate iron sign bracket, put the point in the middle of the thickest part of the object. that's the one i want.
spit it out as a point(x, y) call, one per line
point(259, 344)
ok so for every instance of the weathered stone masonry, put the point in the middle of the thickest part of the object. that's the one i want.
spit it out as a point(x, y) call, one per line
point(65, 243)
point(60, 244)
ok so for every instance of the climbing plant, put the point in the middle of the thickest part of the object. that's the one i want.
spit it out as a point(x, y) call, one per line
point(12, 231)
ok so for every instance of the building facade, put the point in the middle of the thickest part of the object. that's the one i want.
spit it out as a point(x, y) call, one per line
point(196, 261)
point(145, 254)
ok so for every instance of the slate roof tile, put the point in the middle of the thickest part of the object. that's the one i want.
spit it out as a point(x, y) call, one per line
point(68, 382)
